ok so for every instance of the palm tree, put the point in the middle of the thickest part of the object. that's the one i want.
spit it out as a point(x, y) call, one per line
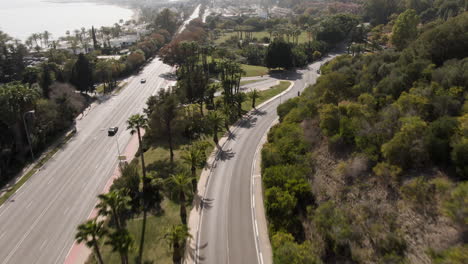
point(254, 95)
point(135, 123)
point(114, 203)
point(176, 237)
point(195, 158)
point(46, 36)
point(121, 241)
point(181, 185)
point(216, 122)
point(90, 232)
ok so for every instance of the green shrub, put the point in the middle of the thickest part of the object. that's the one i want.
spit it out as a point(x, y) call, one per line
point(456, 206)
point(286, 250)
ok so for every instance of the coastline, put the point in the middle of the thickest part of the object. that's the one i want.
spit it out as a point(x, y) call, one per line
point(21, 29)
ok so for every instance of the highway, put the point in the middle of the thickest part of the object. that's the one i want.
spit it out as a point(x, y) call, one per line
point(39, 222)
point(226, 229)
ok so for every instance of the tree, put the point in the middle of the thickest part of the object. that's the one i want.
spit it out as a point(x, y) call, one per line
point(163, 111)
point(215, 120)
point(82, 77)
point(279, 55)
point(114, 203)
point(167, 20)
point(93, 35)
point(254, 95)
point(378, 11)
point(90, 232)
point(176, 237)
point(180, 183)
point(405, 29)
point(46, 80)
point(135, 123)
point(121, 241)
point(103, 74)
point(195, 158)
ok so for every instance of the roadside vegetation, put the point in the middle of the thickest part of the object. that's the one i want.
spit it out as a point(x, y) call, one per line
point(38, 101)
point(183, 125)
point(369, 165)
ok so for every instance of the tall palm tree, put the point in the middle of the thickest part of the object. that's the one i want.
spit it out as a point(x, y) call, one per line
point(135, 123)
point(181, 185)
point(90, 232)
point(114, 203)
point(176, 237)
point(216, 122)
point(46, 35)
point(121, 241)
point(195, 158)
point(254, 95)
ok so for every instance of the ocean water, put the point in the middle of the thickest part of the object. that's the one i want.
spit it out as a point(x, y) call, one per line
point(21, 18)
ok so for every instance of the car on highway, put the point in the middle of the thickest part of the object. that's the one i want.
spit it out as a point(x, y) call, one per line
point(143, 81)
point(112, 131)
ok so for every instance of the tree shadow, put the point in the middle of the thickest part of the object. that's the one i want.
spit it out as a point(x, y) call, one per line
point(170, 76)
point(231, 136)
point(103, 98)
point(248, 122)
point(191, 249)
point(258, 112)
point(224, 155)
point(202, 203)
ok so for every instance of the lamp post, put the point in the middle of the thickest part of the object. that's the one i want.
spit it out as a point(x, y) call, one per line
point(27, 132)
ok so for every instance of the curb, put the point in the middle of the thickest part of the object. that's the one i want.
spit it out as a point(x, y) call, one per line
point(195, 218)
point(262, 239)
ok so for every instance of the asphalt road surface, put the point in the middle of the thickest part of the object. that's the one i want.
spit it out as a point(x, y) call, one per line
point(39, 222)
point(226, 231)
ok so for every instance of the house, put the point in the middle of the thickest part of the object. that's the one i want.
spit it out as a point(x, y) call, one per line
point(124, 41)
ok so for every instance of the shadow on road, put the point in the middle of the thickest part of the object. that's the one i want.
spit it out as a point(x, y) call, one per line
point(202, 203)
point(286, 75)
point(192, 249)
point(170, 76)
point(231, 136)
point(248, 122)
point(224, 155)
point(259, 112)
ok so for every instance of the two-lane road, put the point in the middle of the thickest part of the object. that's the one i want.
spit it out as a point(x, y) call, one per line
point(226, 233)
point(39, 222)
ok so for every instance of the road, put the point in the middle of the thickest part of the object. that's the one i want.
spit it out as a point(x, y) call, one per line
point(39, 222)
point(226, 225)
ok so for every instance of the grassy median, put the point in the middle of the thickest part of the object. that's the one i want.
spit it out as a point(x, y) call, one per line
point(156, 248)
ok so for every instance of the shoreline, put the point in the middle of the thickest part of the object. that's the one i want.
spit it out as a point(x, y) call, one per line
point(23, 32)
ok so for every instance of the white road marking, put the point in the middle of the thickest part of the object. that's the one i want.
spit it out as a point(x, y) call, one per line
point(43, 244)
point(29, 204)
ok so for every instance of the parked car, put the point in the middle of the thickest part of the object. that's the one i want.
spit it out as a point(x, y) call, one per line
point(143, 81)
point(112, 131)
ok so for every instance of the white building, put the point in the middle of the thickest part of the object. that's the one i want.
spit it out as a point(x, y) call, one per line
point(124, 41)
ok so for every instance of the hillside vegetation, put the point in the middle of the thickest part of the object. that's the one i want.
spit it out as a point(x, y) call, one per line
point(370, 164)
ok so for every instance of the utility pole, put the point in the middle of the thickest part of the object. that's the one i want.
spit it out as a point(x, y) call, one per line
point(27, 132)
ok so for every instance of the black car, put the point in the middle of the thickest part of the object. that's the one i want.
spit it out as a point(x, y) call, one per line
point(112, 131)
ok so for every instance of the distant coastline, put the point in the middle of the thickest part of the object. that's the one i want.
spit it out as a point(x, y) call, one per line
point(16, 18)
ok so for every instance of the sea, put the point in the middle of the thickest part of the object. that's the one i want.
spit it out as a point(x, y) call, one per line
point(21, 18)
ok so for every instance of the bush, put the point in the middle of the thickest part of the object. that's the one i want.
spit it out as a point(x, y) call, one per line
point(456, 206)
point(285, 250)
point(329, 119)
point(284, 108)
point(407, 148)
